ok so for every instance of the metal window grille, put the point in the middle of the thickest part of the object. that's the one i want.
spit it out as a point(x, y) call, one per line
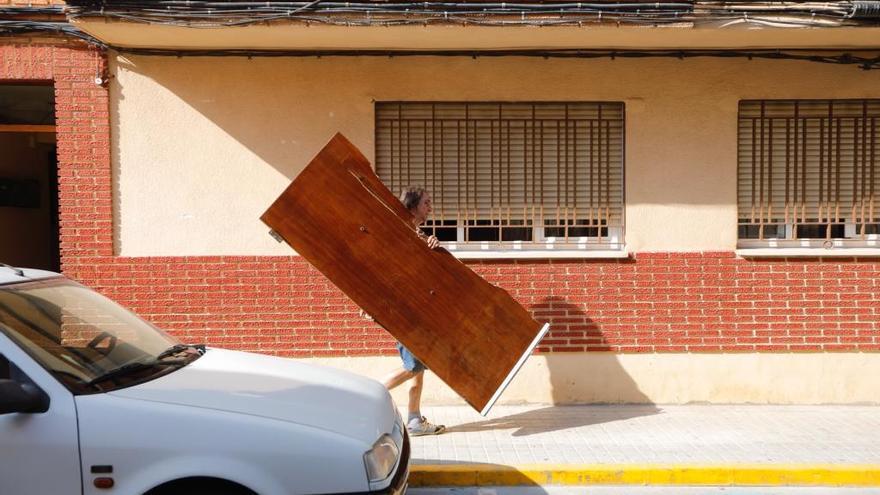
point(807, 173)
point(510, 175)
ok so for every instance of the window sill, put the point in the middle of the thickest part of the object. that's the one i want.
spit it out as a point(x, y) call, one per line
point(538, 254)
point(808, 253)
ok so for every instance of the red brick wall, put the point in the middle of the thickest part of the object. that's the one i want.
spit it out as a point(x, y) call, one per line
point(83, 135)
point(655, 302)
point(659, 302)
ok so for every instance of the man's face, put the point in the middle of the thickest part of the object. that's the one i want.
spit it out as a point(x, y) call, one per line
point(423, 209)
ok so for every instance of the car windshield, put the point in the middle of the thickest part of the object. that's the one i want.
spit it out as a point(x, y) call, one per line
point(87, 341)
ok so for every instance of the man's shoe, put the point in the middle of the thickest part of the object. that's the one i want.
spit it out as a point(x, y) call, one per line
point(421, 427)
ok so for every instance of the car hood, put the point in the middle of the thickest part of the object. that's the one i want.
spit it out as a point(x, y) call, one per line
point(277, 388)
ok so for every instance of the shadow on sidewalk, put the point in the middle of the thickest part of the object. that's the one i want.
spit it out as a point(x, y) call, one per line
point(575, 377)
point(556, 418)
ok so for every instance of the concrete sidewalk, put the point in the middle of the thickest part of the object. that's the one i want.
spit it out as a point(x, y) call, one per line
point(679, 445)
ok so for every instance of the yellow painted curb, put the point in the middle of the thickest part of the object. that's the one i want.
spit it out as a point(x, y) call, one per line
point(641, 474)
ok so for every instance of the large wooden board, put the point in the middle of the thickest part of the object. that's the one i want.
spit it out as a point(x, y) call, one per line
point(340, 217)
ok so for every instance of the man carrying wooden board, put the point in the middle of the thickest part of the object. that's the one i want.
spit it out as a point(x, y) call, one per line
point(339, 216)
point(418, 201)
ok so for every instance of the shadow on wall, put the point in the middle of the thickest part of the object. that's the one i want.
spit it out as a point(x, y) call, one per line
point(577, 377)
point(281, 110)
point(574, 378)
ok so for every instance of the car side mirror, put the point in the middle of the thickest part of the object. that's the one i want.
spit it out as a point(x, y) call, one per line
point(16, 397)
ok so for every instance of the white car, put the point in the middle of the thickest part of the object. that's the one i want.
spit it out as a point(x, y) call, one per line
point(95, 400)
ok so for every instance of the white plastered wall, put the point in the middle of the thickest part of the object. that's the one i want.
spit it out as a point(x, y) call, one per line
point(202, 146)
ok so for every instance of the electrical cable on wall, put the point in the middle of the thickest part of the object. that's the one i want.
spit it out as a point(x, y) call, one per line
point(207, 14)
point(867, 61)
point(14, 28)
point(216, 14)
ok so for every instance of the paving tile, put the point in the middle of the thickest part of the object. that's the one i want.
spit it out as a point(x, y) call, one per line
point(704, 434)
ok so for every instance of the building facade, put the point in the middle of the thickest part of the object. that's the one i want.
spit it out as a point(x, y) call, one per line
point(694, 228)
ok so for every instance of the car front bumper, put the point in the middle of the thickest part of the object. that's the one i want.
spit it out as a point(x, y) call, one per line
point(400, 481)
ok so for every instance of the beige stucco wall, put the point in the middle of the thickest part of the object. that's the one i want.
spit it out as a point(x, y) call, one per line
point(202, 146)
point(665, 379)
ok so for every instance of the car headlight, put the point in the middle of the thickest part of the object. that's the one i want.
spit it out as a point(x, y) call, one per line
point(380, 460)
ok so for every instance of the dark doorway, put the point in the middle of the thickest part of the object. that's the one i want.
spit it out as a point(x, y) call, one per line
point(28, 177)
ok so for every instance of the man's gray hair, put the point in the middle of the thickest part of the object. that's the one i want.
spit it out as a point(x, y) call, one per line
point(411, 196)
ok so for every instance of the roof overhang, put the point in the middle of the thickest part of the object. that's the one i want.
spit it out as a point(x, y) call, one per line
point(297, 35)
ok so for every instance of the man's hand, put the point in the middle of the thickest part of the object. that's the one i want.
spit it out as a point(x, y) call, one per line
point(431, 241)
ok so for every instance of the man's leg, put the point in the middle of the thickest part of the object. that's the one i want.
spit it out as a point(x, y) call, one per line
point(396, 378)
point(412, 368)
point(415, 394)
point(416, 423)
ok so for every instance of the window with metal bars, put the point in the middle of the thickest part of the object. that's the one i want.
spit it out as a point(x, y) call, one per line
point(510, 176)
point(807, 173)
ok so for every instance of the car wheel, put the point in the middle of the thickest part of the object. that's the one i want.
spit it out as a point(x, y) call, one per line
point(201, 486)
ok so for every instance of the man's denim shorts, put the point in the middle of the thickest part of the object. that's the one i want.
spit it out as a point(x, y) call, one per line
point(410, 362)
